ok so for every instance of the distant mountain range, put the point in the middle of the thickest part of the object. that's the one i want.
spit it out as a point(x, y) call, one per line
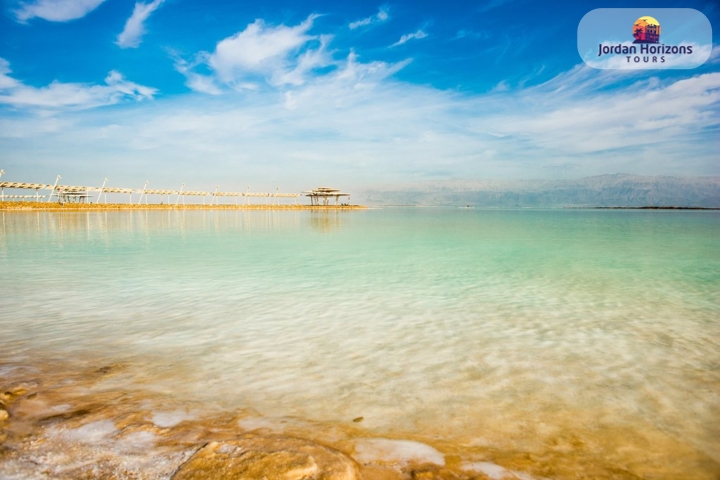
point(602, 191)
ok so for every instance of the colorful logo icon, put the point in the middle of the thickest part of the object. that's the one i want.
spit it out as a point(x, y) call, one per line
point(646, 30)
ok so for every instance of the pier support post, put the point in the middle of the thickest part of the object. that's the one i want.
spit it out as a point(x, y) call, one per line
point(101, 191)
point(142, 194)
point(181, 193)
point(53, 188)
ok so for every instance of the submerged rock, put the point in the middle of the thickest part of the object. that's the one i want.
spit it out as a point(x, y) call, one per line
point(270, 457)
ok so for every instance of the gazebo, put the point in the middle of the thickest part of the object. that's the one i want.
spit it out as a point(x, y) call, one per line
point(322, 195)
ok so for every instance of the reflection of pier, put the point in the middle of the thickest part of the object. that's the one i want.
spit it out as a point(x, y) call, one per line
point(325, 220)
point(322, 195)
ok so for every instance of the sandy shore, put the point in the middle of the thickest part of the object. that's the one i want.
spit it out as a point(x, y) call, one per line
point(126, 206)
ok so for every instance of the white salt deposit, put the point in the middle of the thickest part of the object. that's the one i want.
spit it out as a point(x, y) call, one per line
point(495, 471)
point(170, 419)
point(94, 432)
point(137, 442)
point(400, 452)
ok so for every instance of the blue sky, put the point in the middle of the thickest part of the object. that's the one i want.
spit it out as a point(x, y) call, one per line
point(303, 93)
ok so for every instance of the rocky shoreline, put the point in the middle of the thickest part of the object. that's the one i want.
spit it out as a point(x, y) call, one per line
point(65, 421)
point(75, 426)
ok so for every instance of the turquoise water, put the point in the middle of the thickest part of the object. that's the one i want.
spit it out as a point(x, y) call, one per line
point(481, 327)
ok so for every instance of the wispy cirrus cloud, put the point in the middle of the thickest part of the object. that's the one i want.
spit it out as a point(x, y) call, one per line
point(198, 82)
point(55, 10)
point(282, 93)
point(383, 15)
point(471, 34)
point(576, 114)
point(131, 36)
point(493, 4)
point(72, 96)
point(410, 36)
point(360, 124)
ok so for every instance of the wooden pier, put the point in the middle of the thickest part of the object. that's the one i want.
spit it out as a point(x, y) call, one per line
point(79, 195)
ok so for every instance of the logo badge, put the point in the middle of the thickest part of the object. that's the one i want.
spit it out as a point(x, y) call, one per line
point(646, 30)
point(604, 42)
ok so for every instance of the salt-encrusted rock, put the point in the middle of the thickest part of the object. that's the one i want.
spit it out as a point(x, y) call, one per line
point(20, 389)
point(271, 457)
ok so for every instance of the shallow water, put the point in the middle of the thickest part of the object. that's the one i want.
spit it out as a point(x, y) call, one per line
point(587, 338)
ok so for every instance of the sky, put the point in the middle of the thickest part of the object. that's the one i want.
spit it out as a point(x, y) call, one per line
point(295, 94)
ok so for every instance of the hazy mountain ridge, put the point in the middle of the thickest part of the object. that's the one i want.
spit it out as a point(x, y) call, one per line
point(602, 190)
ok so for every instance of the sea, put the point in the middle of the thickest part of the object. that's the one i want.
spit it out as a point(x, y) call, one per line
point(481, 343)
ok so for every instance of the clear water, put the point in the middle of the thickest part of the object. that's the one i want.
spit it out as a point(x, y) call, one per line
point(486, 328)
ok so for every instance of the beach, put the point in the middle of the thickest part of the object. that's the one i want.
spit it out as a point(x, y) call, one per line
point(370, 343)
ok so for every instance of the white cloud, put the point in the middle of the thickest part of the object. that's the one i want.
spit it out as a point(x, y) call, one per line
point(715, 55)
point(410, 36)
point(55, 10)
point(579, 115)
point(131, 36)
point(75, 96)
point(358, 124)
point(257, 56)
point(306, 62)
point(258, 49)
point(383, 15)
point(309, 115)
point(196, 81)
